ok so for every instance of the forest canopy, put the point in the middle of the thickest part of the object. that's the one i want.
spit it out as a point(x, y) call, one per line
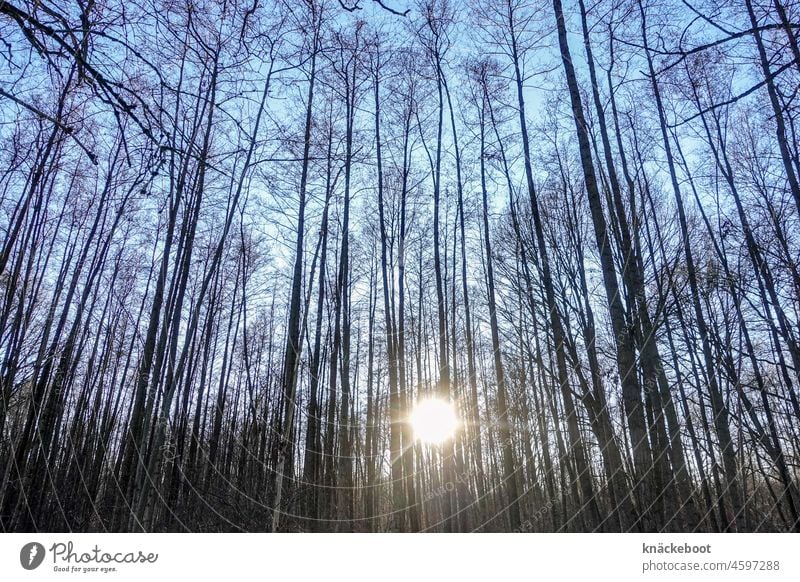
point(399, 265)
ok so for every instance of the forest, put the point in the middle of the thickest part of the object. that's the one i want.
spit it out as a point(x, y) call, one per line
point(399, 265)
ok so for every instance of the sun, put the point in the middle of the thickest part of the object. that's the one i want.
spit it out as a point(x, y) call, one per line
point(434, 421)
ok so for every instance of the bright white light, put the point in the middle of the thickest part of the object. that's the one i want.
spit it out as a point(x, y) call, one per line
point(434, 421)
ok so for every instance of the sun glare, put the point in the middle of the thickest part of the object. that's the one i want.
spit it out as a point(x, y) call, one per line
point(434, 421)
